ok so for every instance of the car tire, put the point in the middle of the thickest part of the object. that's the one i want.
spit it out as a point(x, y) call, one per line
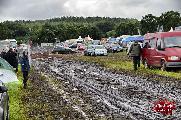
point(163, 66)
point(92, 54)
point(146, 66)
point(6, 114)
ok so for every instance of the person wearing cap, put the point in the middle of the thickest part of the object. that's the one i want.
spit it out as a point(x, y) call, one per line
point(135, 53)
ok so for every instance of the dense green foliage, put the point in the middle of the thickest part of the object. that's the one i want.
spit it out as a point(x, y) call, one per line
point(97, 27)
point(151, 23)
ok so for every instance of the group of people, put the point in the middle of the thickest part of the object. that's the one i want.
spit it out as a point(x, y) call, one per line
point(13, 58)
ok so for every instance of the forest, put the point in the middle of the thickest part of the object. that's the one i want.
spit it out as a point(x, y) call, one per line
point(65, 28)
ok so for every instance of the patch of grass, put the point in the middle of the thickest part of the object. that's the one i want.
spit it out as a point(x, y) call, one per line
point(120, 61)
point(16, 108)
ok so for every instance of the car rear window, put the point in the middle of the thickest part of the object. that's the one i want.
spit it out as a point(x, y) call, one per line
point(5, 65)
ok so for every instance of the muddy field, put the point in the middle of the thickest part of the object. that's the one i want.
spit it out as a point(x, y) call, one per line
point(80, 90)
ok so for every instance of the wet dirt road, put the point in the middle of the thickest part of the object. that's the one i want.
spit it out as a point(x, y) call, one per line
point(98, 93)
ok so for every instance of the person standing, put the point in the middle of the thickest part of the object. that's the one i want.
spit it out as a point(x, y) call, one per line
point(17, 60)
point(11, 58)
point(135, 52)
point(25, 68)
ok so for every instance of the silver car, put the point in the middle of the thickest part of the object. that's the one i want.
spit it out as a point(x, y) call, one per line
point(95, 50)
point(5, 68)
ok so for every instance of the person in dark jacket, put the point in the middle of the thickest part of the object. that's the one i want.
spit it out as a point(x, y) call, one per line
point(11, 58)
point(17, 60)
point(25, 68)
point(135, 52)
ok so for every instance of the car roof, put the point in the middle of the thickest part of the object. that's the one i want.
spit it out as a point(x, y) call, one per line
point(162, 34)
point(5, 65)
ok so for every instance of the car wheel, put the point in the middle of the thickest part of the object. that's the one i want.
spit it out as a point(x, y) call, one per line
point(146, 64)
point(92, 54)
point(163, 66)
point(6, 113)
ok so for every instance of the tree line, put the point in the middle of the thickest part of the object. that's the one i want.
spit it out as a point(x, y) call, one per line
point(97, 27)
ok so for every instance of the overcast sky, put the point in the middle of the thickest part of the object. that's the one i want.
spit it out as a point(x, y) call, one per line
point(43, 9)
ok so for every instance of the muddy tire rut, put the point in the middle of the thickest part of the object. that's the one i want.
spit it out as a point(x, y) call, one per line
point(88, 91)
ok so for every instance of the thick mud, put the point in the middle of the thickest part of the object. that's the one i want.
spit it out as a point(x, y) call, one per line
point(98, 93)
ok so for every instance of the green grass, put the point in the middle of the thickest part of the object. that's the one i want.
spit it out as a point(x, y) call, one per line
point(120, 61)
point(16, 107)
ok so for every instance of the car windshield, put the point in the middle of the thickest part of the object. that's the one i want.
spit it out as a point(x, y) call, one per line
point(5, 65)
point(99, 47)
point(89, 47)
point(172, 41)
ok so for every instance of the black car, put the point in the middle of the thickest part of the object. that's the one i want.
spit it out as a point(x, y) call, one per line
point(63, 50)
point(4, 102)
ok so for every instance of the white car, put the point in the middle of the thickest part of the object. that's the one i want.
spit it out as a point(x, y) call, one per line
point(7, 73)
point(99, 50)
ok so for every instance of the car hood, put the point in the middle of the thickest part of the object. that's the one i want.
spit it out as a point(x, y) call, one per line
point(172, 51)
point(7, 76)
point(100, 50)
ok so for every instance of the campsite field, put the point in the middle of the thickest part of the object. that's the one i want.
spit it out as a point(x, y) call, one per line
point(101, 88)
point(121, 62)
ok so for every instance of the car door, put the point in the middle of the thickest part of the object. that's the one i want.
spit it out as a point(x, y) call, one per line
point(152, 52)
point(145, 51)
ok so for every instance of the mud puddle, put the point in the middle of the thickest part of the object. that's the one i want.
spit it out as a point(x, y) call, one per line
point(110, 95)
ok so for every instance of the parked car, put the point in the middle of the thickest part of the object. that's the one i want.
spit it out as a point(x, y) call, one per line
point(73, 46)
point(7, 75)
point(89, 50)
point(4, 103)
point(162, 49)
point(95, 50)
point(100, 50)
point(81, 46)
point(96, 42)
point(63, 50)
point(114, 47)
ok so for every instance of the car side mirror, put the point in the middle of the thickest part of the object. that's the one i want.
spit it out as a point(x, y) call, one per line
point(3, 89)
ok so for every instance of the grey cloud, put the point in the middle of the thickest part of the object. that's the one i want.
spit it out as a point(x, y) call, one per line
point(42, 9)
point(2, 4)
point(33, 9)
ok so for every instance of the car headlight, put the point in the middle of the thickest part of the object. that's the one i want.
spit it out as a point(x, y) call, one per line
point(173, 58)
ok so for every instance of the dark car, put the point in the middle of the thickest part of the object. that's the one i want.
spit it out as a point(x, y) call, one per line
point(113, 47)
point(5, 69)
point(63, 50)
point(4, 102)
point(73, 46)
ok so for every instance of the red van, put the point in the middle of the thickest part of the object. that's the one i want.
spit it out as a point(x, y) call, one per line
point(162, 49)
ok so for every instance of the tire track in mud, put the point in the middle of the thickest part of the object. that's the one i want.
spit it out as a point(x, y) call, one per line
point(117, 94)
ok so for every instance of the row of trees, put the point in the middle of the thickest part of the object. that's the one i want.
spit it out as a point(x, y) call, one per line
point(97, 27)
point(151, 23)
